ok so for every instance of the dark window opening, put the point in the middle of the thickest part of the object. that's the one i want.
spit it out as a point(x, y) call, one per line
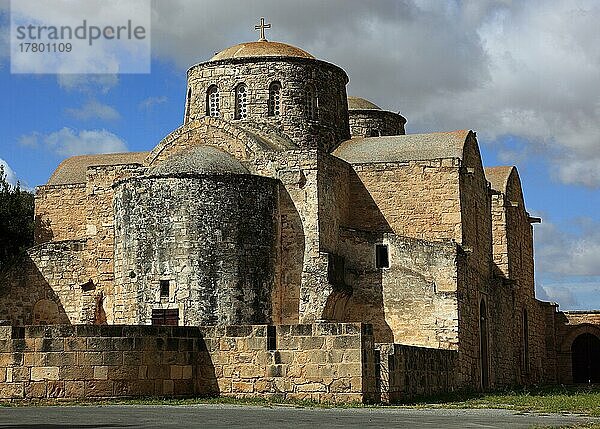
point(382, 258)
point(374, 133)
point(271, 338)
point(335, 270)
point(164, 317)
point(164, 288)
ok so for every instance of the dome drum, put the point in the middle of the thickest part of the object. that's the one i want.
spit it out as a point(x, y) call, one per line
point(369, 120)
point(311, 96)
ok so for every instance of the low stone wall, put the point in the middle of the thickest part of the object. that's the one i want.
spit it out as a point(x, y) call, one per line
point(325, 362)
point(408, 371)
point(322, 362)
point(89, 361)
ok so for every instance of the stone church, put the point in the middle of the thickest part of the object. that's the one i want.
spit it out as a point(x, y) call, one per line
point(287, 214)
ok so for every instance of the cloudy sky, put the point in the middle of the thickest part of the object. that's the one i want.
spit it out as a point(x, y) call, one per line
point(524, 74)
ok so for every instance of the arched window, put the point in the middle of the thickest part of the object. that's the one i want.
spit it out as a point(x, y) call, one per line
point(310, 102)
point(275, 99)
point(189, 104)
point(483, 345)
point(525, 342)
point(241, 101)
point(212, 101)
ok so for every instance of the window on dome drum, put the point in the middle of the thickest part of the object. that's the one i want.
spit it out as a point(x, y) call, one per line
point(382, 257)
point(212, 102)
point(275, 99)
point(241, 101)
point(310, 102)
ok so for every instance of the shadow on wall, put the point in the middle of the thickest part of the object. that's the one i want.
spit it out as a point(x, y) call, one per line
point(42, 230)
point(356, 281)
point(26, 298)
point(286, 294)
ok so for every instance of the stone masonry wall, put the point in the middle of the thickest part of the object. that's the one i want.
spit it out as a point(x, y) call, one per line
point(77, 362)
point(326, 362)
point(60, 212)
point(212, 237)
point(99, 218)
point(375, 123)
point(321, 362)
point(63, 266)
point(26, 298)
point(474, 277)
point(413, 199)
point(408, 372)
point(413, 301)
point(519, 355)
point(420, 292)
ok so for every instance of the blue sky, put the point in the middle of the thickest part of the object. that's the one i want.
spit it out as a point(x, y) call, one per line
point(525, 75)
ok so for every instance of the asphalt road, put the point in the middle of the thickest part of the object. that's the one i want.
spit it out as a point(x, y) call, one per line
point(229, 416)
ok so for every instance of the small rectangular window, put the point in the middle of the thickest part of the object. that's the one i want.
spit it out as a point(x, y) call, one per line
point(382, 259)
point(271, 338)
point(164, 288)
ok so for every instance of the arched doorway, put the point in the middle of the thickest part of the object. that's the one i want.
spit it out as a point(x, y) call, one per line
point(483, 345)
point(585, 358)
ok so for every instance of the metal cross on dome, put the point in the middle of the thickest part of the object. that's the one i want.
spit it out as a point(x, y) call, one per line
point(262, 27)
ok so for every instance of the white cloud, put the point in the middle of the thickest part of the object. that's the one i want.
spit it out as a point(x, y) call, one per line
point(568, 263)
point(94, 110)
point(88, 83)
point(11, 177)
point(150, 102)
point(563, 253)
point(68, 142)
point(562, 294)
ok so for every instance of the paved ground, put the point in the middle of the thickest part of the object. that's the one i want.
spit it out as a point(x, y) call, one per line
point(229, 416)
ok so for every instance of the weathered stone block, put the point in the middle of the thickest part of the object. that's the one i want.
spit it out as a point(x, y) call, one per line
point(44, 373)
point(99, 388)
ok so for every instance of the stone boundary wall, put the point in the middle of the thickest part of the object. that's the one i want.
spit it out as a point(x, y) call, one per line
point(87, 361)
point(325, 362)
point(322, 362)
point(408, 371)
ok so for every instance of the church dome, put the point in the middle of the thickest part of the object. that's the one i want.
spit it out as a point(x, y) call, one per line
point(200, 160)
point(262, 48)
point(358, 103)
